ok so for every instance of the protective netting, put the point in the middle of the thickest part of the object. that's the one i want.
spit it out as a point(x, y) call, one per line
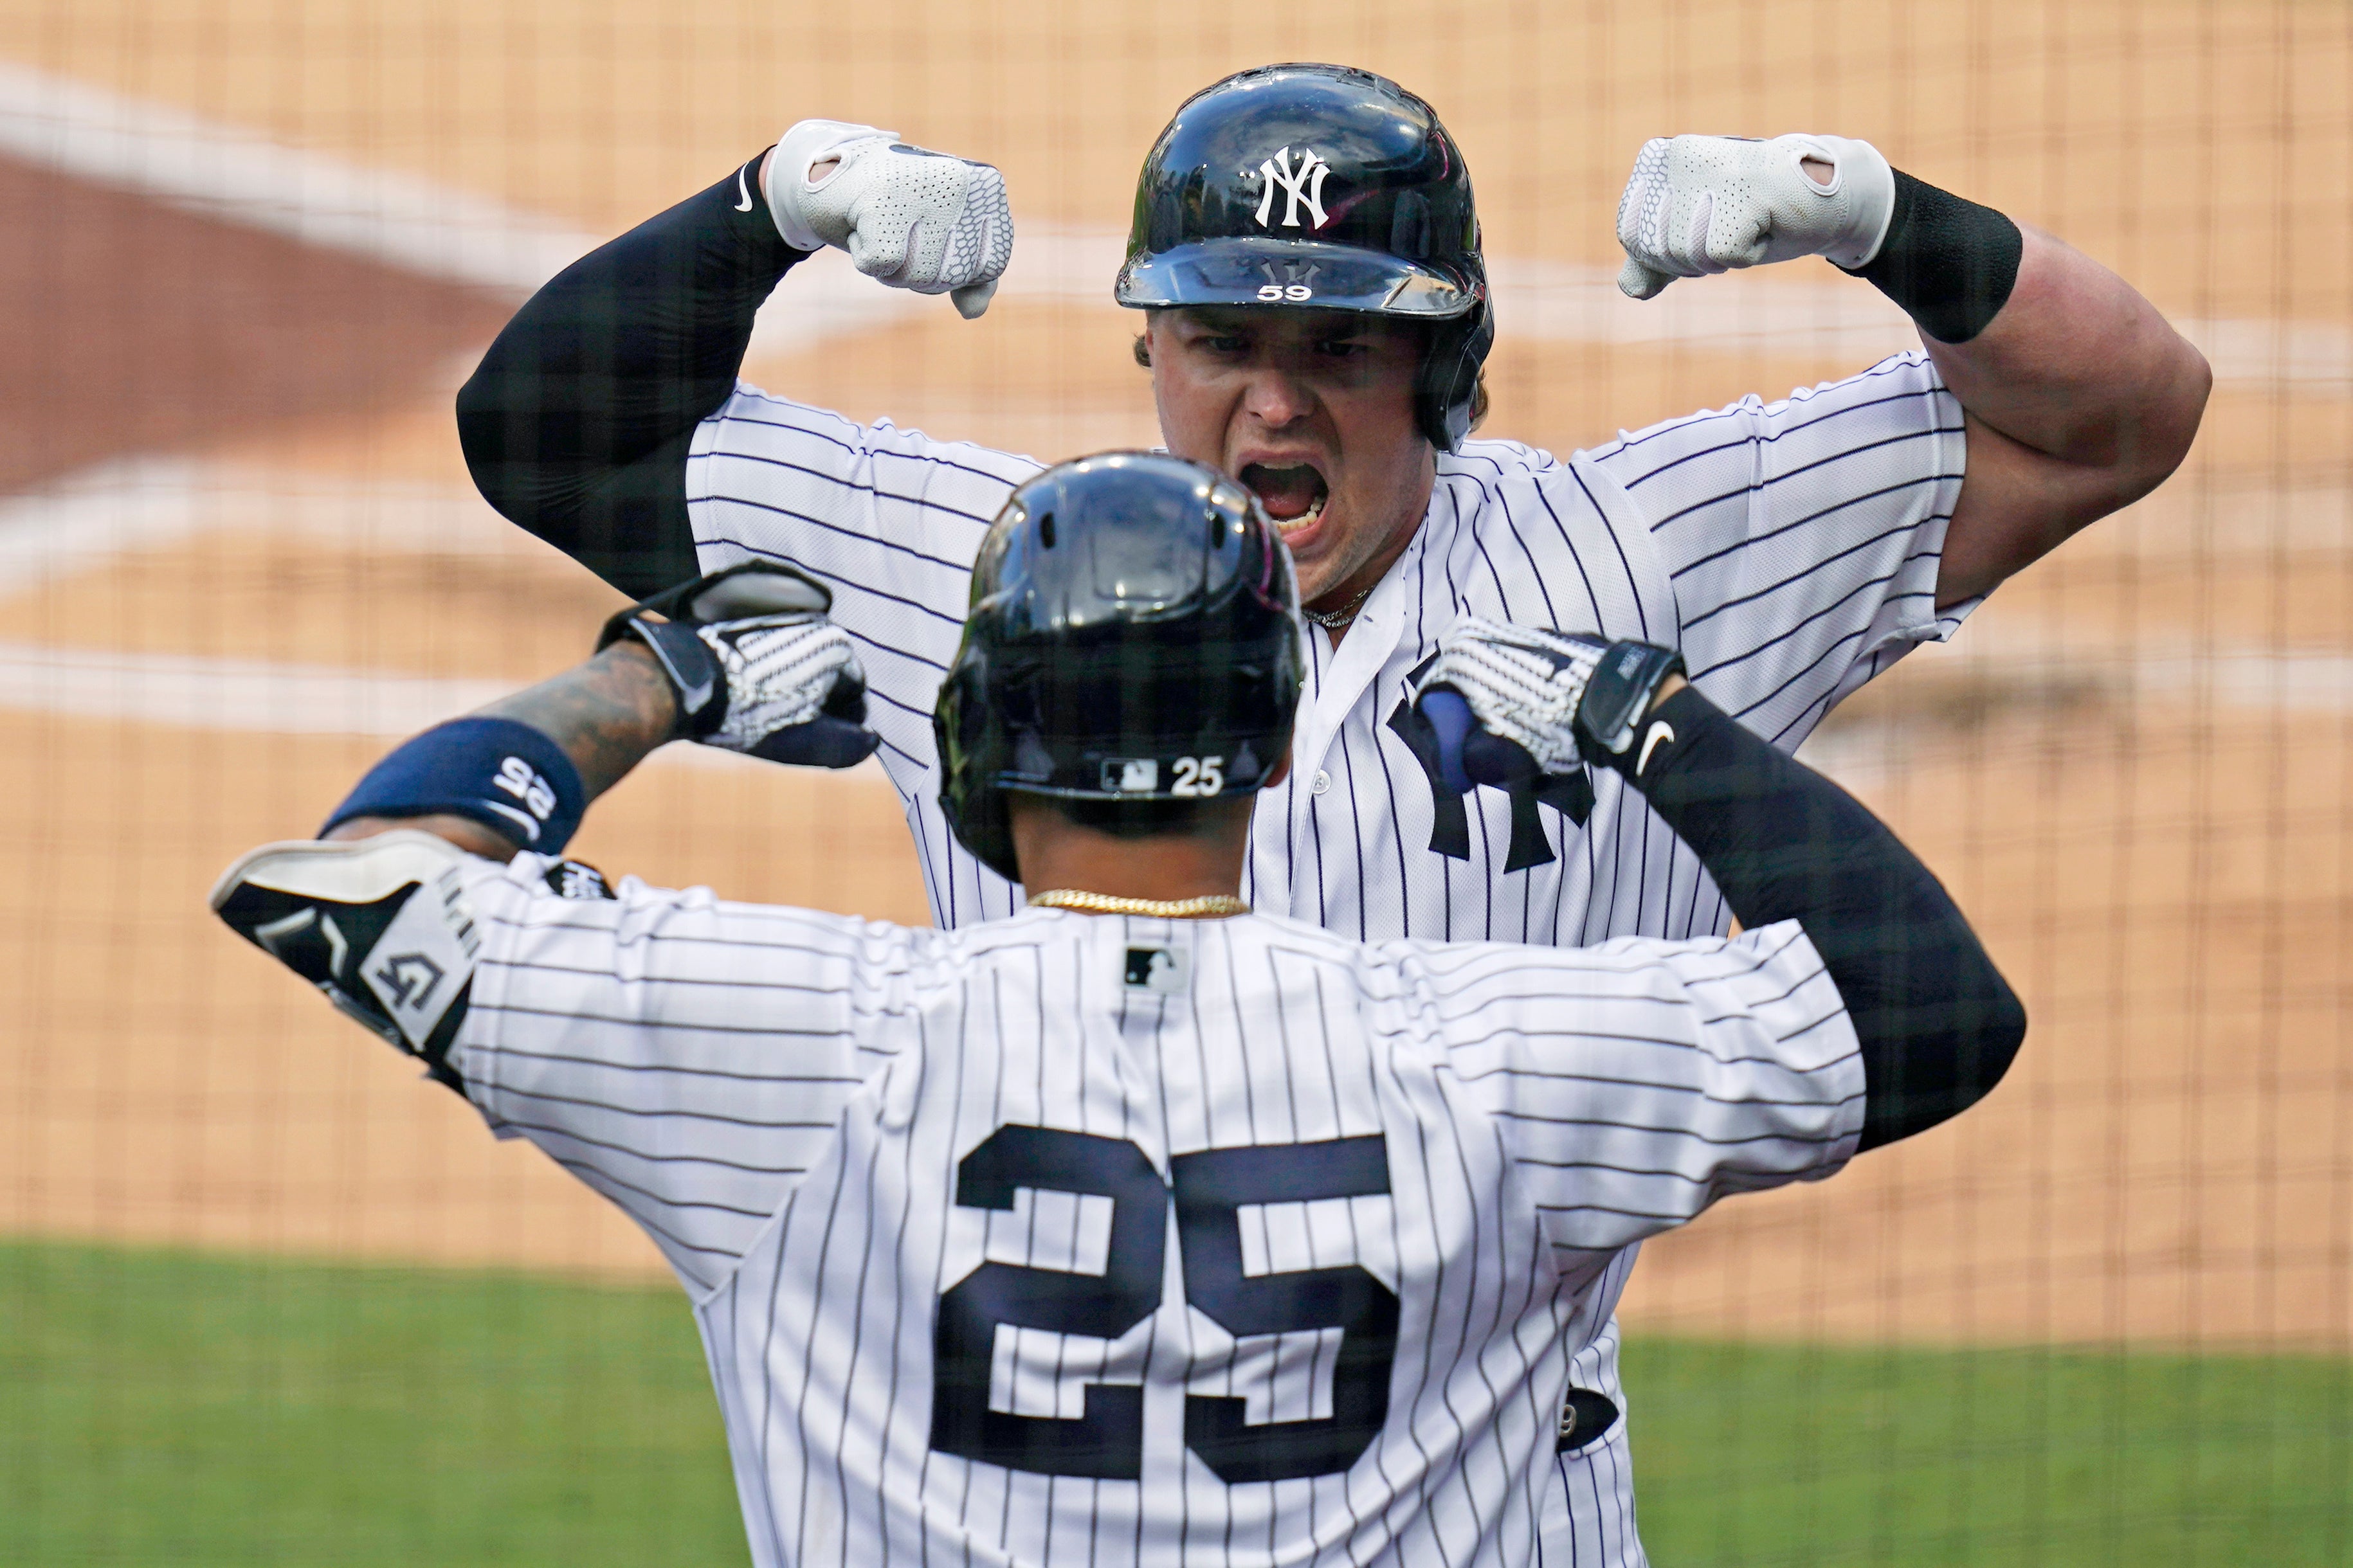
point(250, 248)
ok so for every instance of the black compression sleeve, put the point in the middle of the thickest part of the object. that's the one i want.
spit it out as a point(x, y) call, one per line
point(1939, 1025)
point(577, 424)
point(1949, 262)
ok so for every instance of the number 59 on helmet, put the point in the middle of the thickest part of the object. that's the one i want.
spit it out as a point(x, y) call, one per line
point(1320, 187)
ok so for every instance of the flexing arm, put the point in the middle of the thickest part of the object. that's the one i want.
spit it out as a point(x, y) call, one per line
point(578, 423)
point(512, 987)
point(2079, 397)
point(1937, 1024)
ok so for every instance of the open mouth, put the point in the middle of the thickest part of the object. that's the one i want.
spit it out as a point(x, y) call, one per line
point(1292, 493)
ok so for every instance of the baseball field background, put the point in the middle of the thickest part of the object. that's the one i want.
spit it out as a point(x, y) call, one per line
point(266, 1298)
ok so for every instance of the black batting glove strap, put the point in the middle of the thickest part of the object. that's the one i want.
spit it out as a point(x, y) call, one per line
point(1949, 262)
point(1622, 687)
point(669, 625)
point(1938, 1024)
point(756, 666)
point(693, 669)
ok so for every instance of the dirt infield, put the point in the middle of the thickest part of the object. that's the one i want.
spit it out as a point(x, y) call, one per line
point(2134, 769)
point(2166, 1163)
point(135, 327)
point(2180, 138)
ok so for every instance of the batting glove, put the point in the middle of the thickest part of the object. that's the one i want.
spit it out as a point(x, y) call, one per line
point(1512, 702)
point(1699, 205)
point(910, 219)
point(756, 666)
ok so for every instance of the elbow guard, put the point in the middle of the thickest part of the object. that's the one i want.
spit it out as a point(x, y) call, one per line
point(382, 926)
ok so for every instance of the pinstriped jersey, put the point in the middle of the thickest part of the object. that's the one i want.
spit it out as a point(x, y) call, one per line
point(1077, 1240)
point(1788, 549)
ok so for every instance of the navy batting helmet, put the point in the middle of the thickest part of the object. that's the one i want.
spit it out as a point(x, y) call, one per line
point(1325, 187)
point(1133, 635)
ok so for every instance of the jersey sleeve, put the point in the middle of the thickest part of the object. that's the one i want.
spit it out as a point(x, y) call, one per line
point(1635, 1083)
point(685, 1057)
point(888, 519)
point(1802, 538)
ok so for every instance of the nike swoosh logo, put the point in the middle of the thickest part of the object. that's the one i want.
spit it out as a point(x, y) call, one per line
point(530, 827)
point(742, 190)
point(1660, 730)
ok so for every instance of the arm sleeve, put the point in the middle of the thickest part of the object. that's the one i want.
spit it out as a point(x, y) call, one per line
point(1634, 1083)
point(577, 424)
point(685, 1057)
point(607, 419)
point(1802, 538)
point(1936, 1024)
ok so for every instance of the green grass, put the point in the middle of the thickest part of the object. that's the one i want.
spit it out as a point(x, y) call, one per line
point(160, 1407)
point(1787, 1456)
point(165, 1408)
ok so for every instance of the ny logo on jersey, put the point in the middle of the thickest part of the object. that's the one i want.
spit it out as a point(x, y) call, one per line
point(1571, 794)
point(1303, 183)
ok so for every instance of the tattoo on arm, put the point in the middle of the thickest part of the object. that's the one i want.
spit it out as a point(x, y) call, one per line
point(608, 714)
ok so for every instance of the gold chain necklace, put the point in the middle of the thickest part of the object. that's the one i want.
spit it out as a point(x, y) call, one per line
point(1206, 907)
point(1333, 620)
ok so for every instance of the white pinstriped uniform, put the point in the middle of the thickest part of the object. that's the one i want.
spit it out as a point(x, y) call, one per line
point(838, 1131)
point(1788, 549)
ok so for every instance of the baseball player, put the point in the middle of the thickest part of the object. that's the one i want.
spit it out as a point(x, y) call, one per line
point(1306, 260)
point(1135, 1227)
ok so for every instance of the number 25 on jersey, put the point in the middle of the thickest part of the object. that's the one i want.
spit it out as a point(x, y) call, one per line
point(1209, 1190)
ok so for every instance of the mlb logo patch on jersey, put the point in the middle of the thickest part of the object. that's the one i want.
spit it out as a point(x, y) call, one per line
point(1155, 969)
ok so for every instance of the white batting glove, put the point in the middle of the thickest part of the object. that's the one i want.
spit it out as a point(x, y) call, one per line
point(1697, 204)
point(1523, 684)
point(908, 217)
point(756, 666)
point(783, 672)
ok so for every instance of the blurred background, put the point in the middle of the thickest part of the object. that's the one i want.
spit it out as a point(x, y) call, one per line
point(265, 1298)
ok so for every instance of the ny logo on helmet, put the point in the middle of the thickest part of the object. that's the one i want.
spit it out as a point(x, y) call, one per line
point(1303, 183)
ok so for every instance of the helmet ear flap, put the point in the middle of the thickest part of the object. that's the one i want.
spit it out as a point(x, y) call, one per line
point(967, 743)
point(1447, 389)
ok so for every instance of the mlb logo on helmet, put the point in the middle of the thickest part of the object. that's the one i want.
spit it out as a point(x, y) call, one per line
point(1130, 775)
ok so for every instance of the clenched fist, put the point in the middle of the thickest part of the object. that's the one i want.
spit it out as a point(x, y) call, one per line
point(908, 217)
point(756, 667)
point(1697, 204)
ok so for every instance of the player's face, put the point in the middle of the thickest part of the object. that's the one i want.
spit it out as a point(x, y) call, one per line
point(1313, 410)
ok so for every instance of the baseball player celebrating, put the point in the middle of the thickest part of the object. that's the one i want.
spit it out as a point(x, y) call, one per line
point(1133, 1228)
point(1306, 261)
